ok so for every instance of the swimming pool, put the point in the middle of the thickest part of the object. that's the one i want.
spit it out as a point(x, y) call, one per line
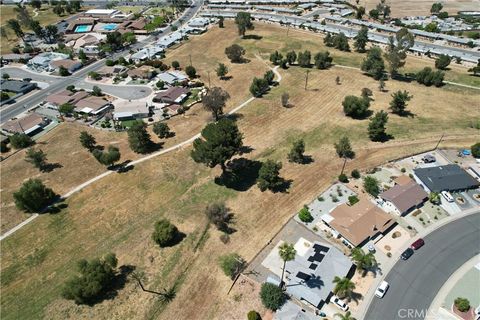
point(83, 28)
point(110, 27)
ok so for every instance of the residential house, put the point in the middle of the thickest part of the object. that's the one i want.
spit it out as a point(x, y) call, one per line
point(172, 95)
point(199, 23)
point(17, 86)
point(69, 64)
point(92, 106)
point(171, 39)
point(128, 109)
point(135, 26)
point(143, 72)
point(147, 53)
point(172, 77)
point(359, 223)
point(102, 13)
point(16, 57)
point(111, 71)
point(42, 61)
point(449, 177)
point(404, 196)
point(55, 100)
point(29, 124)
point(172, 109)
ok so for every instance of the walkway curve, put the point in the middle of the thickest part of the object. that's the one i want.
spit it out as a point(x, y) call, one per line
point(148, 157)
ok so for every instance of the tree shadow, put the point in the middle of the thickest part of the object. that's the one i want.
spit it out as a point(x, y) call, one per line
point(408, 77)
point(384, 138)
point(252, 37)
point(49, 167)
point(56, 208)
point(178, 238)
point(355, 296)
point(118, 283)
point(241, 175)
point(226, 78)
point(282, 186)
point(406, 114)
point(307, 159)
point(234, 116)
point(367, 114)
point(245, 150)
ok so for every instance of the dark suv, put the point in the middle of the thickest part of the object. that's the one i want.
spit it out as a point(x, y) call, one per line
point(407, 254)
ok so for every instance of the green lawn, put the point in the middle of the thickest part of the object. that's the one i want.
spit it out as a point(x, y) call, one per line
point(130, 9)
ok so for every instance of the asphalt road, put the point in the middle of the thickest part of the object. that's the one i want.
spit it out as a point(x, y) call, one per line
point(414, 283)
point(9, 111)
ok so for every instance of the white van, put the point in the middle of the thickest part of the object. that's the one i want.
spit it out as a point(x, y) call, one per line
point(382, 288)
point(447, 196)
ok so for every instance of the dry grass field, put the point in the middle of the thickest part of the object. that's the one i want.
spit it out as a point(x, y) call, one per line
point(420, 7)
point(118, 212)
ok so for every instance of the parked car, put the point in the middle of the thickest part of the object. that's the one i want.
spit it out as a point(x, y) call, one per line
point(447, 196)
point(428, 158)
point(382, 288)
point(417, 244)
point(407, 254)
point(339, 303)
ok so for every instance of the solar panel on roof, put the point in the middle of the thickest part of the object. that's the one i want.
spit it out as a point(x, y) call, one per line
point(313, 266)
point(303, 276)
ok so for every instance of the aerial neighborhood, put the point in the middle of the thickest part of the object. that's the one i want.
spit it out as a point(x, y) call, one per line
point(235, 159)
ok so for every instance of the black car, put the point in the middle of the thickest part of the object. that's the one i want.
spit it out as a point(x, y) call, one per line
point(407, 254)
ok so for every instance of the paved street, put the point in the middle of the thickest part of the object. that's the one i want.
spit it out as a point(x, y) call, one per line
point(13, 110)
point(414, 283)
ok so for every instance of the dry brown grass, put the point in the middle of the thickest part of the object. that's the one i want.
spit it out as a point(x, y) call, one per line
point(419, 7)
point(117, 213)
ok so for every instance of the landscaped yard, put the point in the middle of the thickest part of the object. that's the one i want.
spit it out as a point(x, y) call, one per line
point(117, 213)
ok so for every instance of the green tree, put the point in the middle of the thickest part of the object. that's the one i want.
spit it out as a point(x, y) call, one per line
point(346, 316)
point(304, 215)
point(432, 27)
point(165, 233)
point(373, 64)
point(109, 157)
point(220, 22)
point(285, 99)
point(66, 108)
point(37, 4)
point(323, 60)
point(222, 71)
point(328, 40)
point(291, 57)
point(374, 14)
point(359, 12)
point(191, 72)
point(364, 261)
point(355, 107)
point(219, 215)
point(340, 42)
point(370, 184)
point(96, 91)
point(5, 76)
point(215, 100)
point(58, 9)
point(160, 84)
point(397, 49)
point(51, 33)
point(96, 277)
point(355, 174)
point(21, 140)
point(429, 77)
point(436, 8)
point(87, 140)
point(253, 315)
point(297, 151)
point(442, 62)
point(269, 76)
point(129, 38)
point(269, 175)
point(33, 196)
point(62, 71)
point(434, 197)
point(287, 252)
point(161, 129)
point(343, 287)
point(235, 53)
point(16, 28)
point(304, 59)
point(475, 149)
point(399, 102)
point(344, 148)
point(361, 39)
point(36, 157)
point(272, 296)
point(139, 138)
point(259, 87)
point(376, 126)
point(176, 65)
point(218, 143)
point(82, 56)
point(462, 304)
point(37, 28)
point(243, 20)
point(232, 264)
point(276, 58)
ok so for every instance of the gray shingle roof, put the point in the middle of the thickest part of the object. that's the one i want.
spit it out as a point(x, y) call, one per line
point(446, 178)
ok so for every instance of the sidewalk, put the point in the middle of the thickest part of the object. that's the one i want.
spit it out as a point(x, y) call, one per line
point(362, 310)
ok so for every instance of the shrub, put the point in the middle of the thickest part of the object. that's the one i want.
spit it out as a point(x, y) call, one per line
point(355, 174)
point(343, 178)
point(165, 233)
point(352, 200)
point(355, 107)
point(21, 140)
point(232, 264)
point(371, 186)
point(272, 296)
point(253, 315)
point(475, 149)
point(462, 304)
point(304, 215)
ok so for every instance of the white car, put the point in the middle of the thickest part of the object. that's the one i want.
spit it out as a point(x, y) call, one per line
point(339, 303)
point(447, 196)
point(382, 288)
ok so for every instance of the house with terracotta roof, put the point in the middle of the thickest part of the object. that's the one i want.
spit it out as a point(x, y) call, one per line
point(55, 100)
point(109, 71)
point(69, 64)
point(357, 224)
point(29, 124)
point(173, 95)
point(93, 106)
point(404, 196)
point(143, 72)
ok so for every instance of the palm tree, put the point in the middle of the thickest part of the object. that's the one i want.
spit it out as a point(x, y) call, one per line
point(363, 260)
point(287, 253)
point(346, 316)
point(343, 287)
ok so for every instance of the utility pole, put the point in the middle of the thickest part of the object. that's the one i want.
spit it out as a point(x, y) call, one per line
point(288, 29)
point(190, 59)
point(306, 79)
point(439, 141)
point(209, 85)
